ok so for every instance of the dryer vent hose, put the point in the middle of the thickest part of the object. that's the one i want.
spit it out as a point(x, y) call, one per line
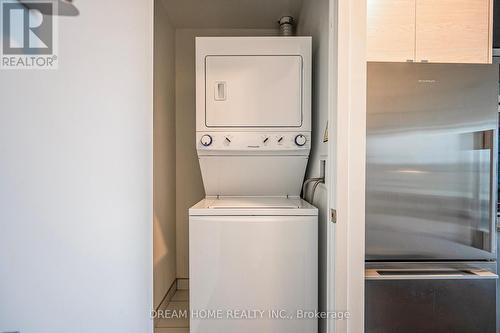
point(286, 26)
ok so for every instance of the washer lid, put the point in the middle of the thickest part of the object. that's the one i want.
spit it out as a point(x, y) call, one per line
point(244, 206)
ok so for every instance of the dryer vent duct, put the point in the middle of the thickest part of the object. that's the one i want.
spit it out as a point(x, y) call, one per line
point(286, 26)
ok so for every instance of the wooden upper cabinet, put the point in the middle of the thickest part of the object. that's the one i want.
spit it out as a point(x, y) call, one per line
point(445, 31)
point(454, 31)
point(391, 30)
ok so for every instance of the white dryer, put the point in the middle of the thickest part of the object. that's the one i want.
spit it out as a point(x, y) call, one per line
point(253, 243)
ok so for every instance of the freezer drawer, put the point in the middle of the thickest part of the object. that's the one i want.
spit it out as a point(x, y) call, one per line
point(430, 300)
point(253, 91)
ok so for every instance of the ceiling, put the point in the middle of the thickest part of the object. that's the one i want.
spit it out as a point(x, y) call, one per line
point(236, 14)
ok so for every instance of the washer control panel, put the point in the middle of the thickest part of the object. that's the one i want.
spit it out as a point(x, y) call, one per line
point(247, 141)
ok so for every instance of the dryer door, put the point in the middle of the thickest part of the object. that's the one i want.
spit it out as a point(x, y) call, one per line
point(253, 91)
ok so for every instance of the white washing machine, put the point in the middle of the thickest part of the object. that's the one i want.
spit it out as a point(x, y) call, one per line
point(253, 254)
point(253, 243)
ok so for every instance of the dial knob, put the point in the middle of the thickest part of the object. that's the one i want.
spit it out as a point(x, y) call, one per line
point(300, 140)
point(206, 140)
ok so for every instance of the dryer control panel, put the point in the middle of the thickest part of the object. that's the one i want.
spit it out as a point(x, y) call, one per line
point(253, 141)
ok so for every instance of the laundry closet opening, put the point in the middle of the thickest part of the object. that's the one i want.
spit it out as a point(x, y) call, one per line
point(178, 180)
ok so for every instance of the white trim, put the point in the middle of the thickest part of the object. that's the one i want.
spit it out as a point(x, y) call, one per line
point(330, 170)
point(347, 165)
point(151, 41)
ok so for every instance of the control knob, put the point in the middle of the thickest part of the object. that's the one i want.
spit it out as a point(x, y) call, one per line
point(206, 140)
point(300, 140)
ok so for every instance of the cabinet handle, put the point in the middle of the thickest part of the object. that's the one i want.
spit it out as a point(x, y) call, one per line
point(424, 60)
point(409, 60)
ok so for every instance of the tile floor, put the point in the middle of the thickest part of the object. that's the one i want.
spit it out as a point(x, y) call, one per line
point(179, 302)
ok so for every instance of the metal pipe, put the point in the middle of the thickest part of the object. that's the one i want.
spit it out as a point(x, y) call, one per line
point(286, 26)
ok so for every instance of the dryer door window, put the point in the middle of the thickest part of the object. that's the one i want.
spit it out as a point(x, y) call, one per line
point(253, 91)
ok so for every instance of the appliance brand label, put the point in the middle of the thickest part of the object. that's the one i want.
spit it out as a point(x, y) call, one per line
point(427, 81)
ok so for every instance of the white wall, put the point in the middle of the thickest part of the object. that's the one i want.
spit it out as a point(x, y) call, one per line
point(314, 21)
point(76, 179)
point(189, 186)
point(164, 155)
point(320, 200)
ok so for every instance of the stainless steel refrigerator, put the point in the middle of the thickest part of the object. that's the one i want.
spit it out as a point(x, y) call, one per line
point(431, 198)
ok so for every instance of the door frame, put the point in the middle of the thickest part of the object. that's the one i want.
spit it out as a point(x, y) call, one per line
point(347, 154)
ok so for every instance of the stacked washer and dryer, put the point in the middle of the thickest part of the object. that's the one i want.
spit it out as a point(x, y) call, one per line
point(253, 242)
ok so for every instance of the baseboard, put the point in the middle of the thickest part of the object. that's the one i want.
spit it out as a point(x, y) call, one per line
point(168, 296)
point(182, 284)
point(177, 284)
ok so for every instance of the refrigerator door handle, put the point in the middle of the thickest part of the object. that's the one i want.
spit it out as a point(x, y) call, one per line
point(490, 143)
point(443, 274)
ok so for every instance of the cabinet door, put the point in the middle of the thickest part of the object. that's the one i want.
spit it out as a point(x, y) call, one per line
point(454, 31)
point(391, 30)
